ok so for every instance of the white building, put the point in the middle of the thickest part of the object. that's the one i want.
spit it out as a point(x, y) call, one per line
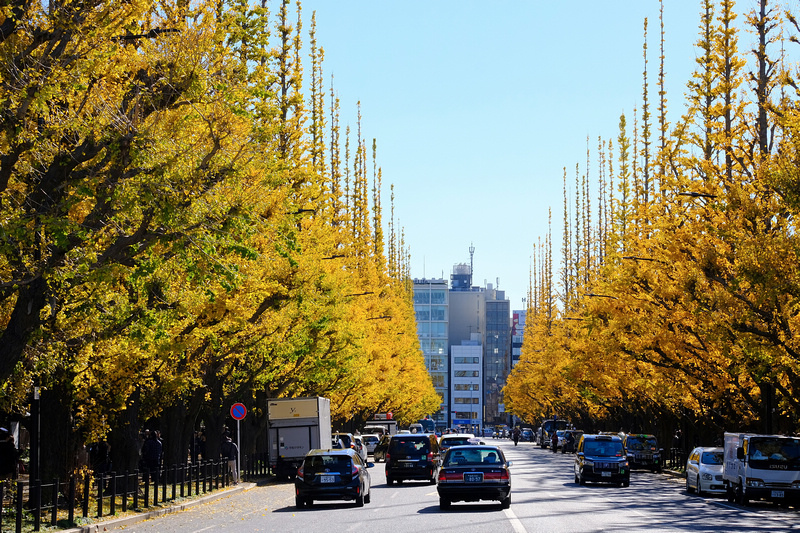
point(466, 378)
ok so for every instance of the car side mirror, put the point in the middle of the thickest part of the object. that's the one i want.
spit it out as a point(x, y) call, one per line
point(740, 453)
point(509, 463)
point(370, 465)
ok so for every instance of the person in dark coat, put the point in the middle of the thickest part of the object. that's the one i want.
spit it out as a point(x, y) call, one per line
point(230, 452)
point(151, 457)
point(9, 455)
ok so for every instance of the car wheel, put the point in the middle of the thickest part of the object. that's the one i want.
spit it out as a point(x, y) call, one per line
point(699, 487)
point(389, 480)
point(689, 488)
point(506, 503)
point(626, 483)
point(360, 500)
point(730, 494)
point(368, 497)
point(299, 502)
point(444, 503)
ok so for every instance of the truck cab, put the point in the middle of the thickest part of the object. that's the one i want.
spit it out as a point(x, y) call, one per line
point(761, 467)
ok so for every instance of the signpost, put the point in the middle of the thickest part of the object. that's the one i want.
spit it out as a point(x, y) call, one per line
point(238, 412)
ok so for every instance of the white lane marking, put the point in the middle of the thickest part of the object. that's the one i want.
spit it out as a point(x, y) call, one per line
point(204, 529)
point(515, 522)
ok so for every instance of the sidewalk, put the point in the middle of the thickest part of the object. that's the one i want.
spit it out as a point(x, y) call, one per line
point(113, 523)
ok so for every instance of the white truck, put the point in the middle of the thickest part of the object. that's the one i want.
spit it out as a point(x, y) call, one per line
point(296, 426)
point(380, 426)
point(761, 467)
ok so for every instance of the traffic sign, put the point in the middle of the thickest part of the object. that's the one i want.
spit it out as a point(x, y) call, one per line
point(238, 411)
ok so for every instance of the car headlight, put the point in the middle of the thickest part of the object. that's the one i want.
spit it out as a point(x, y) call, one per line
point(796, 485)
point(588, 463)
point(755, 482)
point(706, 476)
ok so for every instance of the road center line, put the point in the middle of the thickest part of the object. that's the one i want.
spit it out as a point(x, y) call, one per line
point(515, 522)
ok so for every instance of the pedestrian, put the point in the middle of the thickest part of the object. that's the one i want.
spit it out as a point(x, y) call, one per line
point(554, 441)
point(9, 455)
point(230, 452)
point(151, 457)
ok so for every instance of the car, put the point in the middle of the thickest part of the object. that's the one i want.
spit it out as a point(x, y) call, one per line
point(412, 456)
point(704, 471)
point(370, 441)
point(474, 473)
point(360, 447)
point(560, 434)
point(454, 439)
point(602, 458)
point(379, 453)
point(643, 451)
point(332, 475)
point(571, 439)
point(345, 438)
point(527, 435)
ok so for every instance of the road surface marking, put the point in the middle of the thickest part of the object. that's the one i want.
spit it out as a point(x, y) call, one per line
point(515, 523)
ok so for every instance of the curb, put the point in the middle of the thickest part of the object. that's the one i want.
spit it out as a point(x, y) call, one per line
point(114, 523)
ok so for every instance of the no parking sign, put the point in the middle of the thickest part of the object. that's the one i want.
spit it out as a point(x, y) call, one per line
point(238, 411)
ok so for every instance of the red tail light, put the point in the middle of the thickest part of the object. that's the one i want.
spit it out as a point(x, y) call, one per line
point(388, 456)
point(354, 470)
point(300, 472)
point(430, 456)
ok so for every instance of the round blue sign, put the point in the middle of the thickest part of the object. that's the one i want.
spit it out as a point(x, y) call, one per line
point(238, 411)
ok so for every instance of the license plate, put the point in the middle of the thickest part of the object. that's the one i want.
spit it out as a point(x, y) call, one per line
point(605, 474)
point(409, 465)
point(328, 479)
point(473, 478)
point(777, 494)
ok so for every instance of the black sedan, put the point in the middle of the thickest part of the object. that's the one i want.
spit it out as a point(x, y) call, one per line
point(338, 474)
point(474, 473)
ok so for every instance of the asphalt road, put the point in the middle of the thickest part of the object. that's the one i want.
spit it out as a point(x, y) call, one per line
point(545, 498)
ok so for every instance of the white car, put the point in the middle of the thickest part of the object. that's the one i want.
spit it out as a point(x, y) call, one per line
point(370, 441)
point(704, 471)
point(360, 447)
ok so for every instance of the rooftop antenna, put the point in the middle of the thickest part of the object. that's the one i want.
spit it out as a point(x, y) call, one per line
point(471, 253)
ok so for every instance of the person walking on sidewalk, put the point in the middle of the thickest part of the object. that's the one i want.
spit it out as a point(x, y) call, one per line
point(230, 451)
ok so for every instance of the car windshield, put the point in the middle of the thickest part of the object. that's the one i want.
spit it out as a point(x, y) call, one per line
point(641, 443)
point(455, 441)
point(369, 438)
point(473, 456)
point(712, 458)
point(775, 450)
point(327, 463)
point(603, 448)
point(401, 445)
point(345, 439)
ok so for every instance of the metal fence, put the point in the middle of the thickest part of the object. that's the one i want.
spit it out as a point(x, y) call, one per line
point(57, 503)
point(676, 459)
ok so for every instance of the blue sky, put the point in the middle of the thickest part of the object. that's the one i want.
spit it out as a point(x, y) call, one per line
point(478, 106)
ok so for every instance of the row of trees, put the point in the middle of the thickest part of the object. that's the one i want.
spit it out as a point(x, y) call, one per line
point(678, 302)
point(184, 225)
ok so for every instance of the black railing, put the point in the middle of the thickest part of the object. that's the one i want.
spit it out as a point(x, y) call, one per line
point(57, 503)
point(676, 459)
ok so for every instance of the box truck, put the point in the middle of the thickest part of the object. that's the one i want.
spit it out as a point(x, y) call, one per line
point(761, 467)
point(296, 426)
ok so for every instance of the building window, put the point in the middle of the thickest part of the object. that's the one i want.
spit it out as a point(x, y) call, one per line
point(466, 373)
point(466, 360)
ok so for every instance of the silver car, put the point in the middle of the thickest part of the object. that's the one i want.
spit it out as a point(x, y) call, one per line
point(704, 471)
point(370, 441)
